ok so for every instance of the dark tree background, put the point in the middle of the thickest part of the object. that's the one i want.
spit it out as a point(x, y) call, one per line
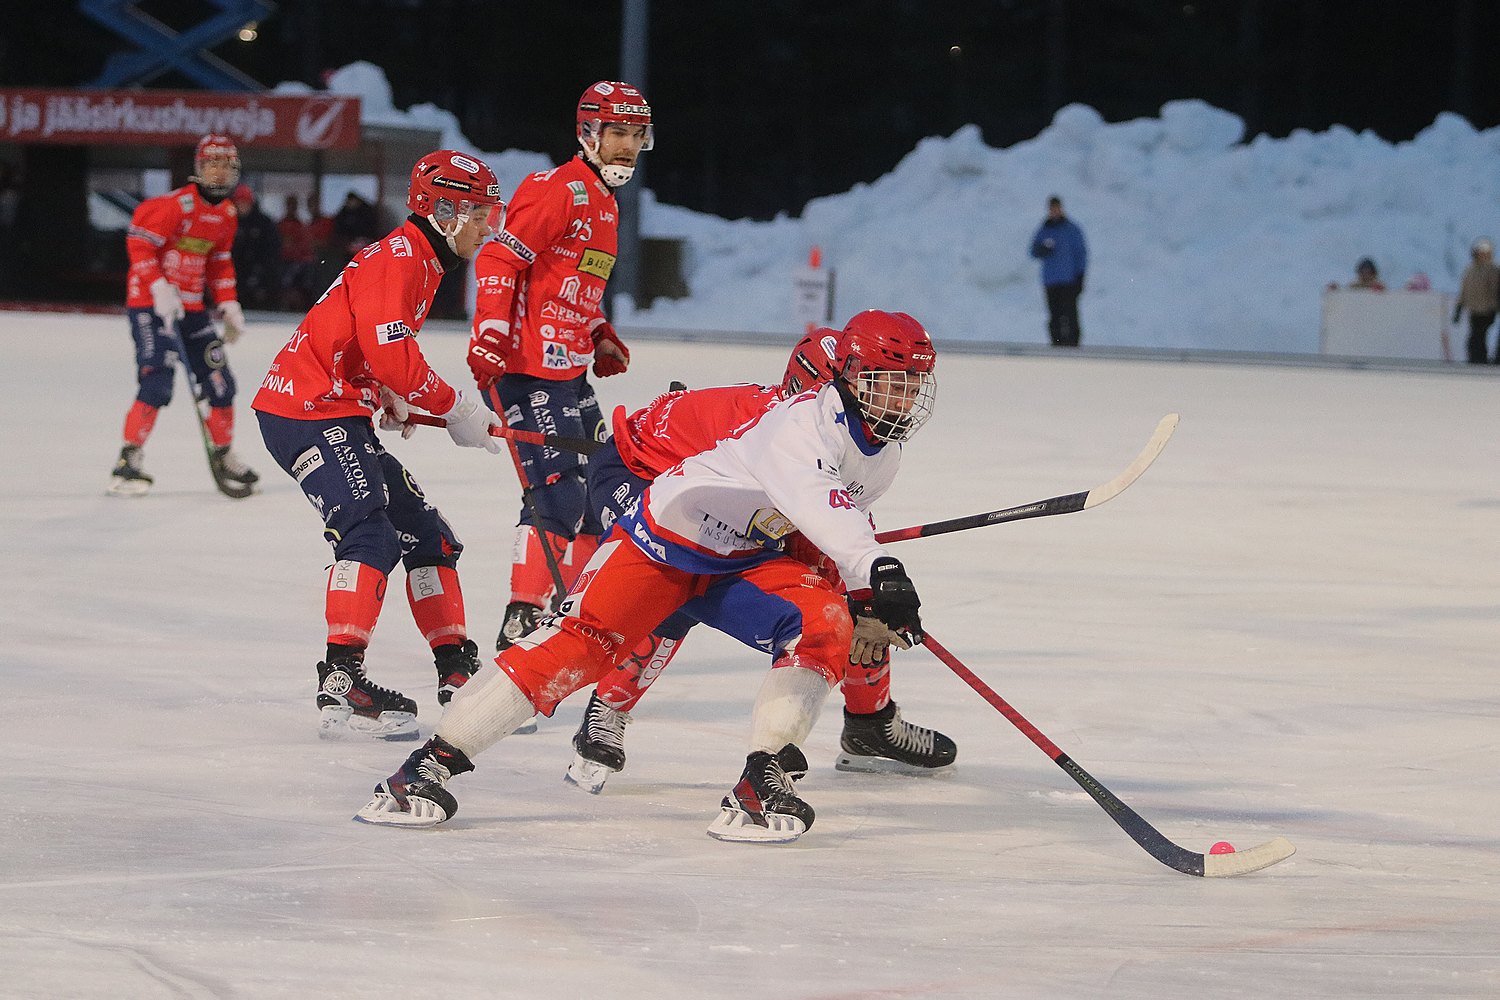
point(762, 106)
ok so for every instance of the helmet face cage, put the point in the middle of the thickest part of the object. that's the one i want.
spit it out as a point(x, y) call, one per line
point(895, 404)
point(887, 361)
point(216, 149)
point(812, 362)
point(447, 185)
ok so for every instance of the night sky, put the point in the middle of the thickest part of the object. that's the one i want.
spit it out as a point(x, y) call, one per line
point(761, 106)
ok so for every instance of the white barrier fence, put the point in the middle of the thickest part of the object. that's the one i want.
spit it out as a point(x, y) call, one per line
point(1390, 324)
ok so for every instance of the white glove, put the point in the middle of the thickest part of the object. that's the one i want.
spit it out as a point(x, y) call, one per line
point(233, 317)
point(469, 424)
point(394, 413)
point(165, 301)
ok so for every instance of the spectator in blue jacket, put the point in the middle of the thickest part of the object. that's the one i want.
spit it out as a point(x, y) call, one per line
point(1059, 245)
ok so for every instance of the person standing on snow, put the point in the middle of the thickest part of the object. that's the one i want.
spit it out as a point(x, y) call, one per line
point(1059, 245)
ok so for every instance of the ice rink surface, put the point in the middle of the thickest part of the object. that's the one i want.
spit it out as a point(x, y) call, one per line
point(1288, 626)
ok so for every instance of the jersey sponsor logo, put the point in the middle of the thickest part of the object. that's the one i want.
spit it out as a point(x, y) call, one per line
point(555, 355)
point(185, 202)
point(335, 435)
point(400, 246)
point(508, 240)
point(597, 263)
point(580, 192)
point(768, 526)
point(464, 163)
point(278, 384)
point(606, 216)
point(389, 333)
point(569, 288)
point(307, 463)
point(421, 310)
point(194, 244)
point(643, 537)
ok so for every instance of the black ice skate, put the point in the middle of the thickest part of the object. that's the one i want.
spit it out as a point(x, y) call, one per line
point(763, 808)
point(352, 706)
point(456, 663)
point(885, 743)
point(233, 477)
point(128, 478)
point(414, 795)
point(598, 746)
point(521, 619)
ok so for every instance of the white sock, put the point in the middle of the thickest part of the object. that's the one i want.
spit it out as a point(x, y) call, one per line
point(786, 707)
point(484, 711)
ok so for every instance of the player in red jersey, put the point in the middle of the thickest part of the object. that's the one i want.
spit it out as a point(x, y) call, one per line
point(355, 352)
point(654, 439)
point(539, 323)
point(179, 247)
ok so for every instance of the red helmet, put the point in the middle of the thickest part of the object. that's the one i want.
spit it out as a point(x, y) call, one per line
point(216, 148)
point(811, 362)
point(610, 102)
point(887, 361)
point(446, 184)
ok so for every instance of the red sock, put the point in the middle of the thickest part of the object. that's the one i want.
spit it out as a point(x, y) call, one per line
point(579, 554)
point(352, 604)
point(530, 574)
point(437, 604)
point(138, 423)
point(867, 689)
point(221, 425)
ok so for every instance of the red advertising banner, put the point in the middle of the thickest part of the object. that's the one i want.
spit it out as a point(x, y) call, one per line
point(177, 118)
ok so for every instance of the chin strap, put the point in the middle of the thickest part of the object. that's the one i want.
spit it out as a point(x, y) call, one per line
point(611, 173)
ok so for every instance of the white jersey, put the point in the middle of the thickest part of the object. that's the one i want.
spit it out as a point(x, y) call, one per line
point(804, 465)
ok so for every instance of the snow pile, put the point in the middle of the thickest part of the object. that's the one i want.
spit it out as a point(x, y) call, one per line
point(1197, 239)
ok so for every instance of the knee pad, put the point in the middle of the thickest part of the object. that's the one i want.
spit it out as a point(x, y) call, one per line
point(155, 385)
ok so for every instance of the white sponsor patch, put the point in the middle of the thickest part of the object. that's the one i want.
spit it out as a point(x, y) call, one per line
point(424, 582)
point(389, 333)
point(344, 576)
point(508, 240)
point(307, 463)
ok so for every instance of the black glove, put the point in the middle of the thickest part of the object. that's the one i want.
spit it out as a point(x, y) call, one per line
point(893, 598)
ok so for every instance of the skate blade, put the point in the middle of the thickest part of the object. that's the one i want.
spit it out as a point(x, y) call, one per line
point(384, 810)
point(736, 826)
point(128, 488)
point(586, 774)
point(343, 724)
point(526, 728)
point(860, 764)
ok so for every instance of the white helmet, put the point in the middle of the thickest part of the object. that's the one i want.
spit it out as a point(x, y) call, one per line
point(1482, 245)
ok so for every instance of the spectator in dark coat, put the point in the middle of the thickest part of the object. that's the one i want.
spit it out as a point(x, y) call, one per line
point(256, 253)
point(1059, 245)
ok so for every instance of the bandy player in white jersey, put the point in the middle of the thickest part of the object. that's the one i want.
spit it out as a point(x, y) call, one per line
point(814, 463)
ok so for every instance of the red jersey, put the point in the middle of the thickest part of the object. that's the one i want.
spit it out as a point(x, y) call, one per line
point(361, 335)
point(678, 425)
point(542, 279)
point(183, 238)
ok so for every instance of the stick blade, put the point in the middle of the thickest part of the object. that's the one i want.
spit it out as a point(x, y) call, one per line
point(1159, 437)
point(1244, 862)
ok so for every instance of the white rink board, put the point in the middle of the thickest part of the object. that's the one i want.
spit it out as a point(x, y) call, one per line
point(1391, 324)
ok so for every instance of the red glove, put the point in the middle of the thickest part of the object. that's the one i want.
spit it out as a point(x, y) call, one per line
point(611, 356)
point(488, 348)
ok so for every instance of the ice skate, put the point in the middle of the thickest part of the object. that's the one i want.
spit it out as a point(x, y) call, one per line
point(351, 706)
point(128, 478)
point(598, 746)
point(885, 743)
point(456, 663)
point(231, 475)
point(763, 808)
point(415, 795)
point(520, 620)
